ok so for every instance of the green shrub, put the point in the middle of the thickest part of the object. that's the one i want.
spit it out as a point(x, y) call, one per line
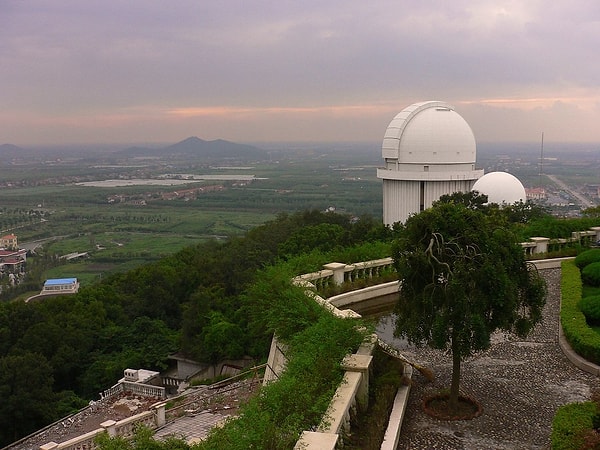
point(587, 257)
point(316, 342)
point(590, 274)
point(590, 307)
point(570, 424)
point(584, 340)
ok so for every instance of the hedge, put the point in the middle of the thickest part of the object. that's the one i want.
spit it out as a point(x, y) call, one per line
point(587, 257)
point(590, 307)
point(570, 423)
point(591, 274)
point(583, 340)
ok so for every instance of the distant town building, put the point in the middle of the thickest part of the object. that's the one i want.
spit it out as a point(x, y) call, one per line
point(429, 150)
point(12, 261)
point(9, 242)
point(592, 190)
point(536, 193)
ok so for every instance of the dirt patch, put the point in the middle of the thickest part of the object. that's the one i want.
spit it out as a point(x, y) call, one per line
point(438, 406)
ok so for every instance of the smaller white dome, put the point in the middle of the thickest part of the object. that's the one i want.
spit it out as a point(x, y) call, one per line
point(500, 188)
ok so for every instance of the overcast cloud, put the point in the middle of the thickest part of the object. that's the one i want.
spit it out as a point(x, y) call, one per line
point(101, 71)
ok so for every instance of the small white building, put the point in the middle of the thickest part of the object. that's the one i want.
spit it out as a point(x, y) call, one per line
point(60, 286)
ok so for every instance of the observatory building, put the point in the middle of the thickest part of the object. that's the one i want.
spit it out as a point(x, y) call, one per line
point(501, 188)
point(429, 150)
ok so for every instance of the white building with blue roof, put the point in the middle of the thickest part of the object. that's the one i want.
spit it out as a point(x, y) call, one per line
point(55, 286)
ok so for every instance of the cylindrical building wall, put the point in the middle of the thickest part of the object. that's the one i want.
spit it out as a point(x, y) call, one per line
point(429, 150)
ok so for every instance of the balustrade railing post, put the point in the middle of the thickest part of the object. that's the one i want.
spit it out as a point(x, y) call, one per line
point(161, 417)
point(361, 364)
point(541, 244)
point(338, 272)
point(110, 427)
point(597, 231)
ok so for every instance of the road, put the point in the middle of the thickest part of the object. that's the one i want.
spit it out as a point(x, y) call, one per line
point(584, 202)
point(32, 245)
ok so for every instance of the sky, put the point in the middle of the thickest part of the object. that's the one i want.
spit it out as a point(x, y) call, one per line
point(131, 71)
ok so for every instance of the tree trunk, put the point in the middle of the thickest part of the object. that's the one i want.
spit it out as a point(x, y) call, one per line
point(455, 386)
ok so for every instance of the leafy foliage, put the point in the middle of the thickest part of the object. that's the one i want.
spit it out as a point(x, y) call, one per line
point(587, 257)
point(316, 343)
point(463, 275)
point(26, 392)
point(590, 307)
point(584, 340)
point(590, 274)
point(193, 301)
point(570, 423)
point(551, 227)
point(592, 211)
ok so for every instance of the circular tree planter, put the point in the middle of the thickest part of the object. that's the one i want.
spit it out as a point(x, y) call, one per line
point(436, 405)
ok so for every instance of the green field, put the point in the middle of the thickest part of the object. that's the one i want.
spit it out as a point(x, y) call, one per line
point(40, 202)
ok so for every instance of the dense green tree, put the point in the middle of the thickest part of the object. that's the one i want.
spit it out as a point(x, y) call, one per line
point(592, 211)
point(471, 199)
point(221, 338)
point(324, 236)
point(525, 212)
point(26, 393)
point(196, 315)
point(462, 276)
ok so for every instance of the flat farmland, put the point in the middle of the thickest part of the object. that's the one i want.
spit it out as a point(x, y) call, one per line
point(82, 206)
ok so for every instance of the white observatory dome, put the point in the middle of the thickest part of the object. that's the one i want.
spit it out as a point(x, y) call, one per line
point(501, 188)
point(429, 133)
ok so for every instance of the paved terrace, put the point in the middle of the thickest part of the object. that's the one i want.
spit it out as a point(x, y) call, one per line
point(202, 409)
point(519, 383)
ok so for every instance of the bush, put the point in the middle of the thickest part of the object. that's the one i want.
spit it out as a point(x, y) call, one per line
point(298, 400)
point(590, 307)
point(587, 257)
point(590, 274)
point(584, 340)
point(570, 424)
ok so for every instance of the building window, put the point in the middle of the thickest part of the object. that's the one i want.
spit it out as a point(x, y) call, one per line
point(425, 168)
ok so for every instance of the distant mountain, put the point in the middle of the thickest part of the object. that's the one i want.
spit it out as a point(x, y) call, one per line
point(198, 148)
point(13, 151)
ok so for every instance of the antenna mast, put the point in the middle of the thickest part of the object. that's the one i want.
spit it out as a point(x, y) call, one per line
point(541, 160)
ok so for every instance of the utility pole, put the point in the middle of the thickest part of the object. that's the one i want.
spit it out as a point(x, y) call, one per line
point(541, 160)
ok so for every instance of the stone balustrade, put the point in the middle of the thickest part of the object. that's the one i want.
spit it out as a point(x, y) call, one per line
point(146, 390)
point(123, 428)
point(338, 273)
point(540, 245)
point(351, 396)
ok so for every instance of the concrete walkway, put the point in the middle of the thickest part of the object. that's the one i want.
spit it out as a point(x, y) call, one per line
point(191, 428)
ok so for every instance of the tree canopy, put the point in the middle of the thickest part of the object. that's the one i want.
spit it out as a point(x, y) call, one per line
point(193, 302)
point(463, 275)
